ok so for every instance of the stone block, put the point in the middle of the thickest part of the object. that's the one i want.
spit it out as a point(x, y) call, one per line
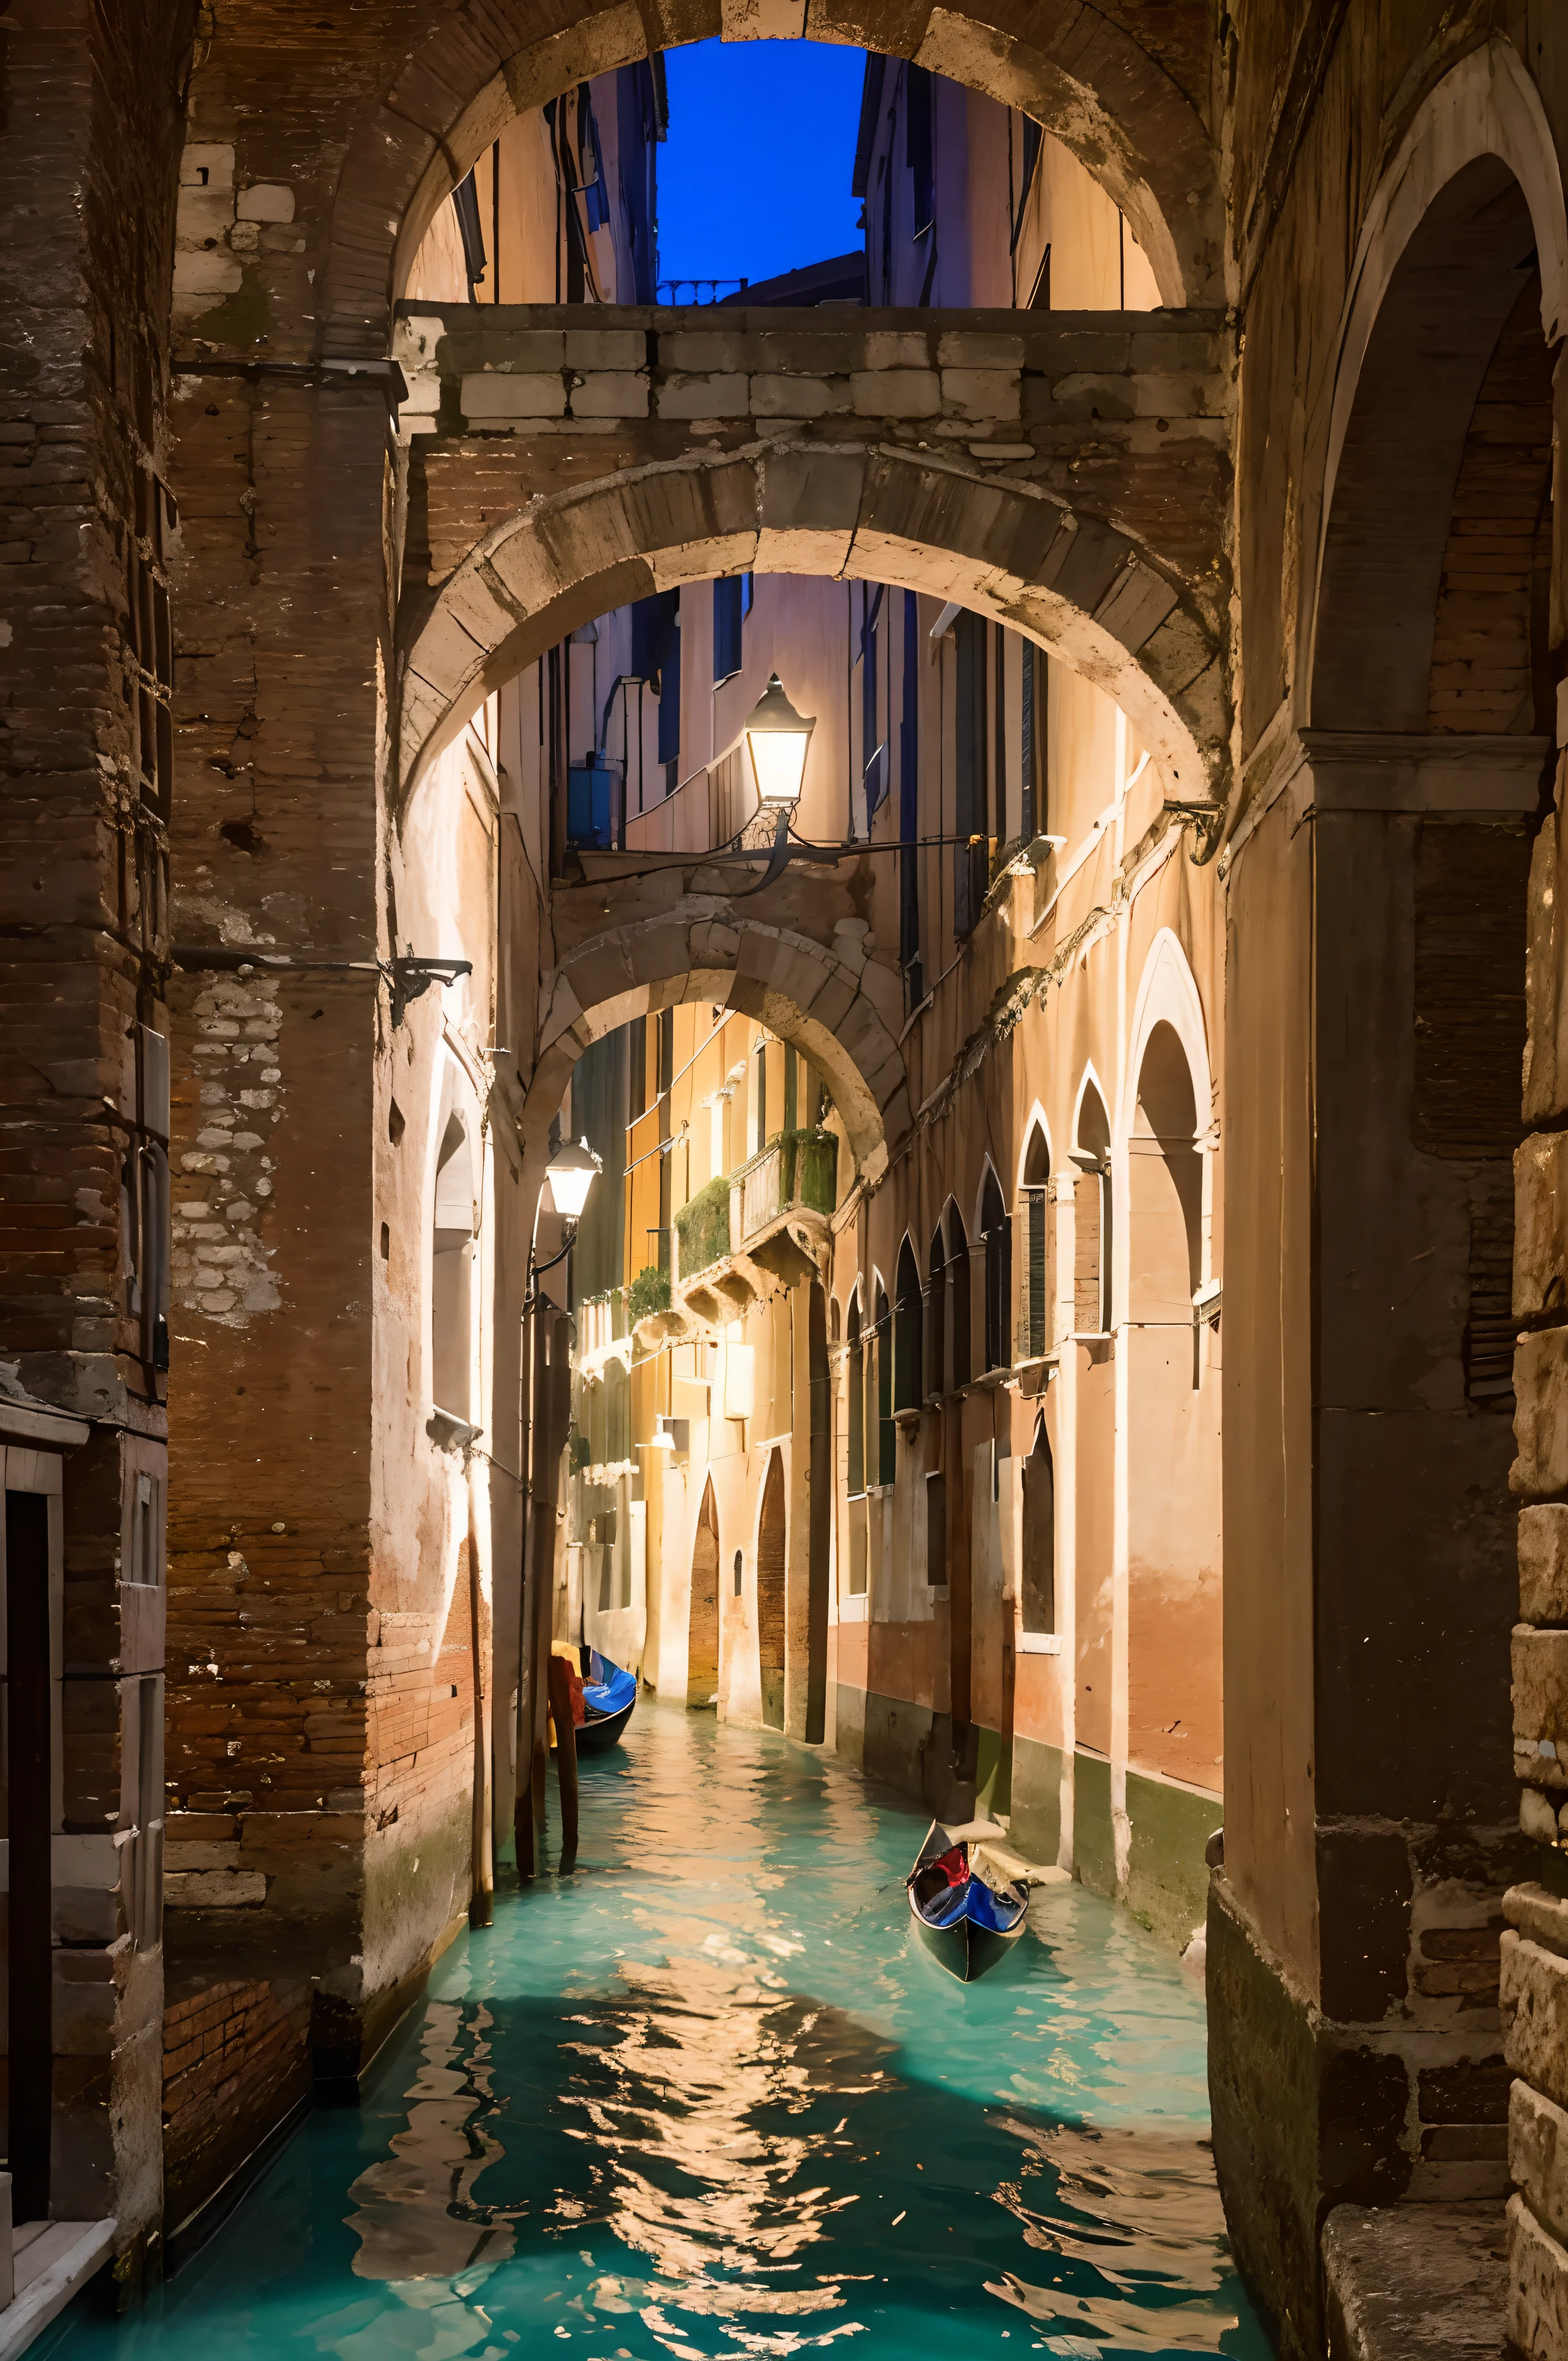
point(712, 396)
point(612, 393)
point(1541, 1915)
point(973, 394)
point(1538, 2286)
point(606, 348)
point(206, 164)
point(1540, 1225)
point(1540, 1415)
point(1543, 1563)
point(266, 201)
point(705, 352)
point(215, 274)
point(1539, 1664)
point(895, 350)
point(775, 396)
point(1538, 2155)
point(1533, 1997)
point(895, 393)
point(216, 1889)
point(493, 397)
point(1537, 1815)
point(971, 350)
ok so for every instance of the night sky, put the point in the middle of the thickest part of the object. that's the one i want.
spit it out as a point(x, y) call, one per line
point(754, 176)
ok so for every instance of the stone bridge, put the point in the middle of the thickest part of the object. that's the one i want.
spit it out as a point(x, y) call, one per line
point(1065, 473)
point(635, 932)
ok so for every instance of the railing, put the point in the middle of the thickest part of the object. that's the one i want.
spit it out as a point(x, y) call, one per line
point(601, 1320)
point(669, 290)
point(798, 1170)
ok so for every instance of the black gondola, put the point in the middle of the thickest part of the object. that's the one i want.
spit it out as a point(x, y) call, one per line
point(608, 1697)
point(967, 1911)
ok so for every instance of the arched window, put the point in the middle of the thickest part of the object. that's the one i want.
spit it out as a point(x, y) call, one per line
point(1165, 1178)
point(997, 1232)
point(887, 1456)
point(1092, 1211)
point(1039, 1572)
point(1033, 1283)
point(451, 1262)
point(906, 1318)
point(857, 1482)
point(956, 1307)
point(936, 1314)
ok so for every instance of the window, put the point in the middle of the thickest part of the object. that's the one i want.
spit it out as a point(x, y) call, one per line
point(1165, 1187)
point(886, 1453)
point(972, 854)
point(727, 610)
point(906, 1319)
point(656, 658)
point(936, 1322)
point(1092, 1211)
point(857, 1437)
point(909, 806)
point(956, 1302)
point(748, 593)
point(451, 1263)
point(1040, 1570)
point(997, 1233)
point(1034, 1289)
point(873, 753)
point(1036, 690)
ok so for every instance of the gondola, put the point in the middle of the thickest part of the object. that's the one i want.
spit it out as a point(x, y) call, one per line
point(968, 1912)
point(608, 1697)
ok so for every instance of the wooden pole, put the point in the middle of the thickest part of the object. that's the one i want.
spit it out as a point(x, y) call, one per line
point(565, 1758)
point(481, 1902)
point(552, 1409)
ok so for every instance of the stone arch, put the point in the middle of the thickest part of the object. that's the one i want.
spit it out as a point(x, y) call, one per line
point(1110, 101)
point(1163, 1171)
point(697, 946)
point(857, 511)
point(1472, 200)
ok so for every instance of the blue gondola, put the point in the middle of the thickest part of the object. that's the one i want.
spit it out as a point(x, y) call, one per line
point(967, 1913)
point(608, 1697)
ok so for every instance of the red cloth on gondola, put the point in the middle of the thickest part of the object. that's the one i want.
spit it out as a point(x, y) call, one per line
point(954, 1866)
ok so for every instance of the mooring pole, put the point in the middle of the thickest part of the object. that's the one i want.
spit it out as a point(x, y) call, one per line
point(565, 1757)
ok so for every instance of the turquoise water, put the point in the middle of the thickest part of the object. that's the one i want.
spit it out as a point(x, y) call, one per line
point(708, 2097)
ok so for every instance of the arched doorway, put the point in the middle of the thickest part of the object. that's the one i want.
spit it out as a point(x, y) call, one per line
point(771, 1540)
point(702, 1645)
point(1376, 1006)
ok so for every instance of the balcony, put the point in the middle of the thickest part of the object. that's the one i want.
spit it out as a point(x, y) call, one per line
point(762, 1227)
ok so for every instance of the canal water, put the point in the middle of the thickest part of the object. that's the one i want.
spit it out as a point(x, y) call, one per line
point(709, 2098)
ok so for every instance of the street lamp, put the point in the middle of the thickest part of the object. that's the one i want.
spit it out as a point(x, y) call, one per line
point(571, 1172)
point(778, 736)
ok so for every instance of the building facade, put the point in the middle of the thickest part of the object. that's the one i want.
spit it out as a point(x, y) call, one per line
point(1166, 546)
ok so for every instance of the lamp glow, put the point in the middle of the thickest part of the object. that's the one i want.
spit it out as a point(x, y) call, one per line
point(777, 737)
point(571, 1173)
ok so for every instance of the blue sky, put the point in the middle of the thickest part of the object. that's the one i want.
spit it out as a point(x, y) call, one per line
point(754, 176)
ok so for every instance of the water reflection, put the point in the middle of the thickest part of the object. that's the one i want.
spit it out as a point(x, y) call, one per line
point(709, 2100)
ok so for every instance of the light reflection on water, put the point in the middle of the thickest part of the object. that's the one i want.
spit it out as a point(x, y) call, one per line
point(708, 2099)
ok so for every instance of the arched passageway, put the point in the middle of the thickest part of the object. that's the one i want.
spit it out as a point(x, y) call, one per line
point(702, 1645)
point(770, 1552)
point(1379, 911)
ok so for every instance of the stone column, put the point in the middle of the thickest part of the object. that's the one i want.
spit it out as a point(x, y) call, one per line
point(1535, 1948)
point(1374, 987)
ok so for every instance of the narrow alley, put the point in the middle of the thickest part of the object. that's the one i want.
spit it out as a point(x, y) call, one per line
point(707, 2097)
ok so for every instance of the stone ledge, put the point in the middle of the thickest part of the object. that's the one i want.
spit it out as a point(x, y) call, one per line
point(1415, 2280)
